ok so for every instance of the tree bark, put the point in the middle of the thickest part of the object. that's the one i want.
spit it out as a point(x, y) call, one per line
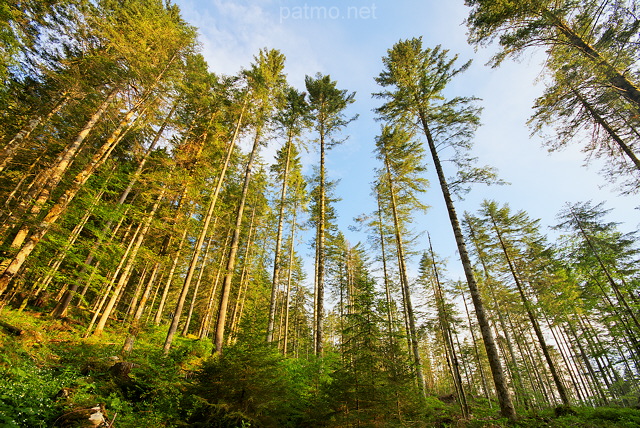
point(504, 397)
point(233, 251)
point(534, 322)
point(124, 276)
point(14, 144)
point(618, 81)
point(276, 257)
point(404, 281)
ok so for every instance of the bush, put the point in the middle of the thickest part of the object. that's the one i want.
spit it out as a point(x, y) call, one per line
point(248, 385)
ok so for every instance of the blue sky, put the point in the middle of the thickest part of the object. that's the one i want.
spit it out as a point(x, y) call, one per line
point(347, 39)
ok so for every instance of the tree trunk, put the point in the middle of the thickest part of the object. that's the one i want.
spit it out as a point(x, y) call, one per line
point(14, 144)
point(617, 80)
point(626, 149)
point(534, 322)
point(404, 281)
point(194, 297)
point(321, 251)
point(385, 274)
point(483, 378)
point(289, 280)
point(233, 251)
point(446, 332)
point(134, 329)
point(504, 397)
point(276, 257)
point(124, 276)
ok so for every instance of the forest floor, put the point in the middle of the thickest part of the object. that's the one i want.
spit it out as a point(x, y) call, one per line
point(51, 376)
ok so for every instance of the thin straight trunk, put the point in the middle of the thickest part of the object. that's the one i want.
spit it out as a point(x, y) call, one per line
point(504, 397)
point(605, 125)
point(276, 257)
point(404, 280)
point(483, 378)
point(385, 274)
point(244, 278)
point(447, 335)
point(315, 294)
point(320, 249)
point(587, 363)
point(14, 144)
point(133, 303)
point(124, 276)
point(597, 355)
point(233, 251)
point(578, 365)
point(571, 368)
point(134, 329)
point(155, 295)
point(534, 322)
point(542, 386)
point(194, 297)
point(289, 279)
point(205, 323)
point(617, 80)
point(167, 286)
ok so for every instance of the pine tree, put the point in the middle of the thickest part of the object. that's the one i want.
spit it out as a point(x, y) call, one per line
point(414, 79)
point(327, 104)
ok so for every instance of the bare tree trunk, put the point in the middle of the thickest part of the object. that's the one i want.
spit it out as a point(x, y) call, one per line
point(276, 257)
point(289, 280)
point(385, 274)
point(244, 280)
point(205, 229)
point(185, 329)
point(134, 329)
point(205, 323)
point(483, 378)
point(447, 334)
point(233, 251)
point(124, 276)
point(404, 280)
point(504, 397)
point(14, 144)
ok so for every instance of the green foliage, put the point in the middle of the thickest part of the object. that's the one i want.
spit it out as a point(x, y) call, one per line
point(28, 393)
point(251, 384)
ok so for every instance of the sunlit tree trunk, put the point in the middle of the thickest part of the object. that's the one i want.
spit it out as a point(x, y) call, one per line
point(124, 276)
point(10, 149)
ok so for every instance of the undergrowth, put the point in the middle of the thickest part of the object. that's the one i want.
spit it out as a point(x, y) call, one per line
point(51, 376)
